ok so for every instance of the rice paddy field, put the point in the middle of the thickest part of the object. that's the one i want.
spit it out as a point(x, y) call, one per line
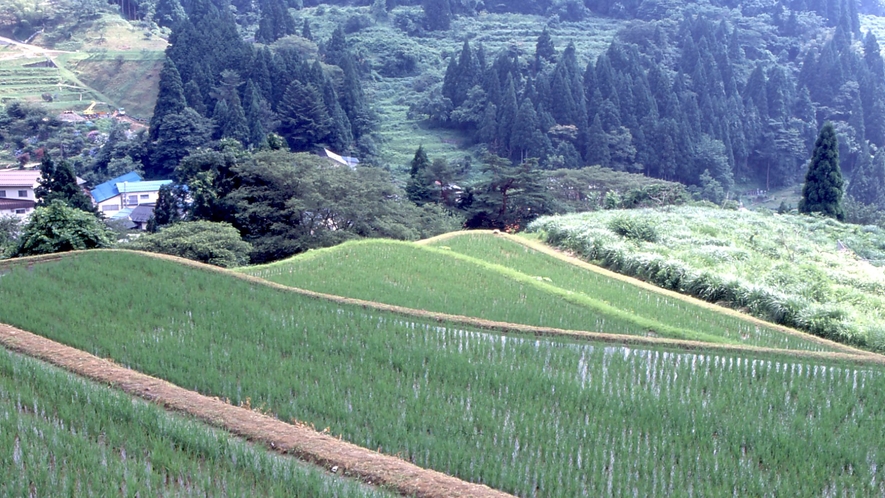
point(533, 417)
point(489, 277)
point(807, 272)
point(62, 435)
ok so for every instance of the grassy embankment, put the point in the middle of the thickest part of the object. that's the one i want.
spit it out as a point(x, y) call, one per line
point(498, 279)
point(529, 416)
point(65, 436)
point(812, 273)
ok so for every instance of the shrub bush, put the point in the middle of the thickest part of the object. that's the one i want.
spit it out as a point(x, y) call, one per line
point(633, 228)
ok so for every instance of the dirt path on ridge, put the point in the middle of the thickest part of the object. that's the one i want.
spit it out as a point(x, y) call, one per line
point(298, 440)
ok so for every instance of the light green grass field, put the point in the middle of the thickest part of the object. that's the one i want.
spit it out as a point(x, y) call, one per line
point(525, 415)
point(494, 278)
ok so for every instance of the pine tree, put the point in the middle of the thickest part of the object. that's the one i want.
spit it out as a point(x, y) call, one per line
point(275, 22)
point(524, 138)
point(194, 97)
point(507, 116)
point(340, 131)
point(169, 13)
point(232, 124)
point(822, 192)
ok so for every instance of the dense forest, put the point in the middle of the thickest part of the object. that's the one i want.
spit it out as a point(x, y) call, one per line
point(715, 95)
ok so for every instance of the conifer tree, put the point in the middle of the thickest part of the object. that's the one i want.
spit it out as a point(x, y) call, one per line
point(168, 13)
point(867, 184)
point(304, 119)
point(275, 22)
point(254, 115)
point(232, 121)
point(597, 145)
point(170, 99)
point(525, 140)
point(544, 49)
point(822, 192)
point(417, 189)
point(194, 97)
point(58, 182)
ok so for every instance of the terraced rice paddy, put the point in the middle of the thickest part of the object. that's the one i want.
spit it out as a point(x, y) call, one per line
point(497, 279)
point(61, 435)
point(529, 416)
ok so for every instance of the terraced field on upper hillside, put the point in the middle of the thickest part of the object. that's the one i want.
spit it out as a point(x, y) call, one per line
point(530, 416)
point(498, 278)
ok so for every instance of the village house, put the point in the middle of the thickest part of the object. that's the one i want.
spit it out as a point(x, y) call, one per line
point(17, 197)
point(125, 192)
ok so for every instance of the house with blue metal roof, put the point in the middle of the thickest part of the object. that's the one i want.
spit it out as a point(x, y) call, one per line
point(126, 191)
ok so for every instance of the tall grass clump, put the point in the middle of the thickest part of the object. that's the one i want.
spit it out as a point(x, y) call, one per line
point(808, 272)
point(448, 281)
point(65, 436)
point(529, 416)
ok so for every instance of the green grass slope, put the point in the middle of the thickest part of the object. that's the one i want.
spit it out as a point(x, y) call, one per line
point(534, 417)
point(812, 273)
point(489, 281)
point(66, 436)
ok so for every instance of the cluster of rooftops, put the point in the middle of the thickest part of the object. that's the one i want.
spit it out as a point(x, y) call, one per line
point(128, 197)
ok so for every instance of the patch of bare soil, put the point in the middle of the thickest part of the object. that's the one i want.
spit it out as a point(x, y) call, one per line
point(300, 441)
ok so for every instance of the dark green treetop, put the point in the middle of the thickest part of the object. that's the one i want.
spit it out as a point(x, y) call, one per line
point(822, 192)
point(58, 182)
point(57, 227)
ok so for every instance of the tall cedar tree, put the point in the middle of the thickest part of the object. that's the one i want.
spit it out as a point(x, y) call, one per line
point(822, 192)
point(58, 182)
point(418, 191)
point(305, 122)
point(544, 49)
point(170, 99)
